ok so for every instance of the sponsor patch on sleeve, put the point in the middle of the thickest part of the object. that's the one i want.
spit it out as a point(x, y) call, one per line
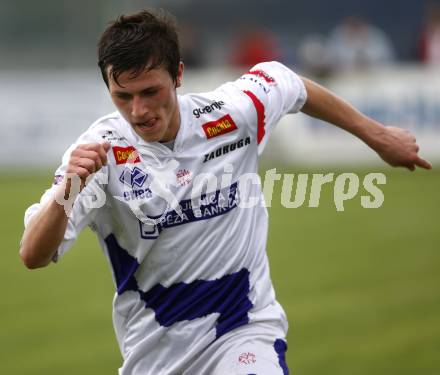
point(219, 127)
point(57, 179)
point(125, 155)
point(262, 74)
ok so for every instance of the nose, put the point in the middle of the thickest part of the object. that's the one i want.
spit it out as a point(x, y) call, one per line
point(139, 107)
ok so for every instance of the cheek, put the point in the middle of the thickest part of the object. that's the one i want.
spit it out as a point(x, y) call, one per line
point(171, 101)
point(122, 106)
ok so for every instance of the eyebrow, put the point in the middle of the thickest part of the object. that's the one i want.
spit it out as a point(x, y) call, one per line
point(151, 88)
point(116, 92)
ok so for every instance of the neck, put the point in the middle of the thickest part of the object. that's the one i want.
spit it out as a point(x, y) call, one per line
point(174, 126)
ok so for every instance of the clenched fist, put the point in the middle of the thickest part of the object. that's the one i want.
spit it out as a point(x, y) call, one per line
point(87, 159)
point(84, 160)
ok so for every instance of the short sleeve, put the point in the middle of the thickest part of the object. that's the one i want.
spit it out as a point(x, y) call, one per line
point(273, 91)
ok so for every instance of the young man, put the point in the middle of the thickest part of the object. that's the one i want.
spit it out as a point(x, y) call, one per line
point(194, 295)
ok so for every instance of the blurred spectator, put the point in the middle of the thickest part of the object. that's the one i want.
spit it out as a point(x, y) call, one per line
point(429, 43)
point(191, 46)
point(356, 44)
point(253, 46)
point(313, 56)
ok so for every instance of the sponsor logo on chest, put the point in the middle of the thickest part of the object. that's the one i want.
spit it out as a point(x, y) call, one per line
point(125, 155)
point(227, 149)
point(219, 127)
point(111, 136)
point(216, 105)
point(133, 181)
point(184, 177)
point(134, 177)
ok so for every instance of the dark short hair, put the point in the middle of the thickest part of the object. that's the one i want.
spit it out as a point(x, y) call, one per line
point(144, 40)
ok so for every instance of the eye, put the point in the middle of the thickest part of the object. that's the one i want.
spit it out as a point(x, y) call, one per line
point(150, 92)
point(123, 96)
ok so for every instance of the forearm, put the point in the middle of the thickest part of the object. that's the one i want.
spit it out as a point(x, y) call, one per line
point(46, 229)
point(43, 235)
point(396, 146)
point(323, 104)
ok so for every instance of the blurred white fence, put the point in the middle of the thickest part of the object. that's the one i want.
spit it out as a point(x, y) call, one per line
point(44, 112)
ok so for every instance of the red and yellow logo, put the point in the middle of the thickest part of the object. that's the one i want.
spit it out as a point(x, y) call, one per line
point(125, 155)
point(221, 126)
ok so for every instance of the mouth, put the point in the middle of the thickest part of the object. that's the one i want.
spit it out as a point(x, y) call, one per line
point(147, 125)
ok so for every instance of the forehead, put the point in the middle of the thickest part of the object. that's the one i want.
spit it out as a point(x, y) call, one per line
point(131, 79)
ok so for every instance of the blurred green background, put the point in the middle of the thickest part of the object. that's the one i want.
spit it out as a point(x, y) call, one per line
point(361, 287)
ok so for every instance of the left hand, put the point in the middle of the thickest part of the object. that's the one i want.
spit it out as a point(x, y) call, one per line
point(398, 148)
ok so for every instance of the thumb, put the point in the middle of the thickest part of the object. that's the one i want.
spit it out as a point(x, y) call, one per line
point(106, 146)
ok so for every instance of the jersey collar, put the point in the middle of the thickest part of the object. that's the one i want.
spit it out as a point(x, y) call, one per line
point(157, 147)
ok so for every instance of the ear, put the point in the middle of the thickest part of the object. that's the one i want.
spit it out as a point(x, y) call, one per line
point(180, 74)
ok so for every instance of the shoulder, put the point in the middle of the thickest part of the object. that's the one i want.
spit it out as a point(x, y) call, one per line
point(106, 128)
point(111, 128)
point(269, 71)
point(267, 76)
point(102, 128)
point(260, 78)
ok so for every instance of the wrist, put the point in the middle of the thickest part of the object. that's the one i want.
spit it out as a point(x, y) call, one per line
point(66, 195)
point(373, 134)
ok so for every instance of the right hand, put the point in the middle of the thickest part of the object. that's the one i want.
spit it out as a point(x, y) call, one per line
point(87, 159)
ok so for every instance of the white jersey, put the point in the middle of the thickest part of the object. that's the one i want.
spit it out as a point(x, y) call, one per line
point(189, 265)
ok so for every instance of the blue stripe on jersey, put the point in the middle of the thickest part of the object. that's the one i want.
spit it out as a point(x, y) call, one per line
point(227, 296)
point(280, 347)
point(124, 265)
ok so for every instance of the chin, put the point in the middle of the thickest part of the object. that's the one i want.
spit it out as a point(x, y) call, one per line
point(151, 138)
point(154, 136)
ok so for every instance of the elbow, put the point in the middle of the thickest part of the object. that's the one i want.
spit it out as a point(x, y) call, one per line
point(31, 262)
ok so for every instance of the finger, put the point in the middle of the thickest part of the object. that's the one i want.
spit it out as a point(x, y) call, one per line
point(88, 164)
point(80, 172)
point(100, 149)
point(103, 149)
point(411, 167)
point(423, 163)
point(106, 146)
point(92, 155)
point(96, 157)
point(98, 162)
point(88, 146)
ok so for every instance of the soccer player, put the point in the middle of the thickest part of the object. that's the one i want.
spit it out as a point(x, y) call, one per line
point(193, 290)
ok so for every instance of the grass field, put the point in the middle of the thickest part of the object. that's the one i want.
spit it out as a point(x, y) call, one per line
point(361, 287)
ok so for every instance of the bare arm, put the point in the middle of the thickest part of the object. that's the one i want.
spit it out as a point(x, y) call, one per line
point(394, 145)
point(43, 235)
point(45, 231)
